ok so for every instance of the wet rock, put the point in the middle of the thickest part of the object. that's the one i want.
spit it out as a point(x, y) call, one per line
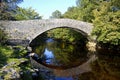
point(34, 76)
point(21, 74)
point(1, 78)
point(23, 62)
point(36, 70)
point(34, 56)
point(29, 49)
point(15, 42)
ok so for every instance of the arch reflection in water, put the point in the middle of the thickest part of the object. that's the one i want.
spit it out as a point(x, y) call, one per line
point(61, 54)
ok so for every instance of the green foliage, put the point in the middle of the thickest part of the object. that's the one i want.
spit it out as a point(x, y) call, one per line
point(7, 9)
point(65, 34)
point(6, 50)
point(72, 13)
point(83, 10)
point(13, 12)
point(104, 14)
point(26, 14)
point(56, 14)
point(86, 7)
point(107, 24)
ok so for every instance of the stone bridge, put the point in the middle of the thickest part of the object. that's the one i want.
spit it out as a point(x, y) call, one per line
point(30, 29)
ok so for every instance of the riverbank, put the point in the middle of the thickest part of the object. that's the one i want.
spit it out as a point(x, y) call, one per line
point(15, 64)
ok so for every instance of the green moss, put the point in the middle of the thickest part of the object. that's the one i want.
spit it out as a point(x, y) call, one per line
point(5, 53)
point(6, 50)
point(19, 51)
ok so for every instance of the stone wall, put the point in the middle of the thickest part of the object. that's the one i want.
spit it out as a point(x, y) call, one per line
point(29, 29)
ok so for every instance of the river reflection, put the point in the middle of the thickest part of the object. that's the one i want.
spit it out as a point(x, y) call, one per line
point(61, 54)
point(71, 62)
point(105, 67)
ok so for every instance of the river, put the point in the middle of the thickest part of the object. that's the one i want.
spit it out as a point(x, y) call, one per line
point(75, 62)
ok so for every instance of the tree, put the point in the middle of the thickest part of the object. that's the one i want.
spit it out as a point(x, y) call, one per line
point(7, 8)
point(83, 10)
point(72, 13)
point(56, 14)
point(107, 23)
point(26, 14)
point(104, 14)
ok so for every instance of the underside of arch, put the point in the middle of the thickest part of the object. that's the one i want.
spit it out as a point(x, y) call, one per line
point(77, 30)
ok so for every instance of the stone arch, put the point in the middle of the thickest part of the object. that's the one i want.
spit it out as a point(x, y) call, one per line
point(29, 29)
point(82, 27)
point(33, 41)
